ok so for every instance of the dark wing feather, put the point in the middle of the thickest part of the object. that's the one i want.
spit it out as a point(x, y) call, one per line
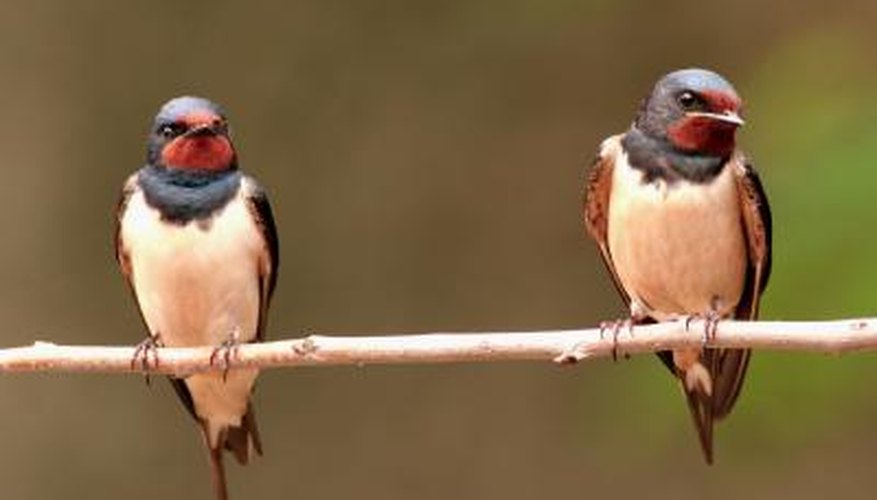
point(755, 214)
point(728, 366)
point(257, 200)
point(183, 393)
point(757, 225)
point(122, 256)
point(596, 209)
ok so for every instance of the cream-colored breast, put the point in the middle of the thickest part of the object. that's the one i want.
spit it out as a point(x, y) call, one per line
point(678, 249)
point(195, 284)
point(198, 285)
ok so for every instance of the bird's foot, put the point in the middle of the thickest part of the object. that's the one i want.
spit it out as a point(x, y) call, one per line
point(710, 324)
point(579, 351)
point(226, 352)
point(146, 355)
point(615, 327)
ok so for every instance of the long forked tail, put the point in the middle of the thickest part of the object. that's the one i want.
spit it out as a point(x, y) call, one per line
point(217, 473)
point(241, 441)
point(700, 406)
point(711, 388)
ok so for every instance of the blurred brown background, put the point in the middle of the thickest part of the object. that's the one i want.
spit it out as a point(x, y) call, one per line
point(424, 161)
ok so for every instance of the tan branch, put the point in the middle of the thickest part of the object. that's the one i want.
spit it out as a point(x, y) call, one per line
point(557, 345)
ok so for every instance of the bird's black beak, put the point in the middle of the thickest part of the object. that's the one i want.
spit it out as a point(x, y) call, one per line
point(203, 131)
point(730, 117)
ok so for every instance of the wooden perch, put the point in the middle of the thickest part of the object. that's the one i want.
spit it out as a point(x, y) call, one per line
point(557, 345)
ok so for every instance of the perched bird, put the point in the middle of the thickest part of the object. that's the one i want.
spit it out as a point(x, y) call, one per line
point(683, 225)
point(196, 242)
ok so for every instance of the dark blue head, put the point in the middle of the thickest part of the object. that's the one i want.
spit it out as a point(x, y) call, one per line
point(694, 110)
point(191, 133)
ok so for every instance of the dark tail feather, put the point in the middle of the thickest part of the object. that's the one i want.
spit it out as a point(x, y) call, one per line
point(666, 357)
point(700, 404)
point(240, 440)
point(727, 368)
point(728, 374)
point(217, 468)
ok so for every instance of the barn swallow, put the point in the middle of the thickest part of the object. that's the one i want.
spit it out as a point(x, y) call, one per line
point(682, 223)
point(196, 242)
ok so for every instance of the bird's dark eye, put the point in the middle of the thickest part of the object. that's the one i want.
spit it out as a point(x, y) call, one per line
point(220, 126)
point(169, 130)
point(688, 100)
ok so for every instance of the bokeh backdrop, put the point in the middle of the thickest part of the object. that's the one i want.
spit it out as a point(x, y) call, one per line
point(425, 162)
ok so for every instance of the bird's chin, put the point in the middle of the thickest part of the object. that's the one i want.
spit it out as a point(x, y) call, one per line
point(701, 134)
point(199, 152)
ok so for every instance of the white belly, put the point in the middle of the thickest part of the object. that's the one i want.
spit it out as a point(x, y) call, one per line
point(197, 287)
point(681, 250)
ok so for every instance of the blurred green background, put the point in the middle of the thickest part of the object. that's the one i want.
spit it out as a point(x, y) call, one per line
point(425, 163)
